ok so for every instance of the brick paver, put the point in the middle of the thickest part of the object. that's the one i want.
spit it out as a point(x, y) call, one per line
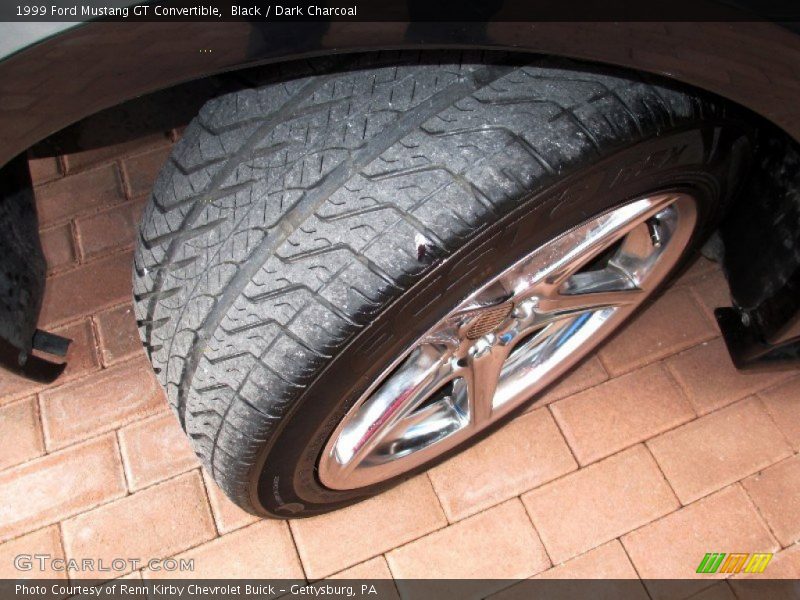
point(652, 453)
point(20, 432)
point(44, 169)
point(62, 199)
point(673, 546)
point(102, 232)
point(141, 170)
point(621, 412)
point(374, 568)
point(46, 541)
point(154, 450)
point(335, 541)
point(499, 543)
point(75, 162)
point(783, 405)
point(718, 449)
point(608, 561)
point(117, 334)
point(156, 523)
point(59, 485)
point(672, 323)
point(587, 374)
point(774, 492)
point(227, 516)
point(89, 406)
point(87, 289)
point(711, 290)
point(599, 503)
point(523, 455)
point(262, 550)
point(59, 249)
point(711, 381)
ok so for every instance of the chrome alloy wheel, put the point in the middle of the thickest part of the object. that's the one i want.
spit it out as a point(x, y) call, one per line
point(508, 340)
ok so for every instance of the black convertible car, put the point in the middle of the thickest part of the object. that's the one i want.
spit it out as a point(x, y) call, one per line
point(376, 241)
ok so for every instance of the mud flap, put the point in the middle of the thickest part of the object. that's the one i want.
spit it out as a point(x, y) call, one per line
point(22, 279)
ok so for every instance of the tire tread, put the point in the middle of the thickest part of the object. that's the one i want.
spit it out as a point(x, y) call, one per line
point(290, 213)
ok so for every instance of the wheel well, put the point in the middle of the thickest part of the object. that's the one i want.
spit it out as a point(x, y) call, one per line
point(174, 107)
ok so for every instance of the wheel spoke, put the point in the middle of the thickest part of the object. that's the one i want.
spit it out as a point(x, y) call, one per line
point(419, 376)
point(572, 303)
point(573, 251)
point(433, 420)
point(483, 375)
point(635, 255)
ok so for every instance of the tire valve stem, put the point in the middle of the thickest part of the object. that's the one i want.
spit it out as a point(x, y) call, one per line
point(655, 234)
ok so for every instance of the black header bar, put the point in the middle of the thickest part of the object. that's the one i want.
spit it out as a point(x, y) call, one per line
point(399, 10)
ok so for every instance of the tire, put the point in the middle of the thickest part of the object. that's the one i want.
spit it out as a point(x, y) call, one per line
point(305, 231)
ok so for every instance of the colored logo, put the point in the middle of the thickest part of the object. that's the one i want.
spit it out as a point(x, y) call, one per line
point(719, 562)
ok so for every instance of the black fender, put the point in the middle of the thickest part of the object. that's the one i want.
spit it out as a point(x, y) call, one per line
point(83, 70)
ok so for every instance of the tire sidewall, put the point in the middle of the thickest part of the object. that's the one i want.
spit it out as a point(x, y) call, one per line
point(704, 160)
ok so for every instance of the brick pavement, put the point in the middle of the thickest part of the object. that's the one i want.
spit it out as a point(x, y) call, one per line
point(652, 453)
